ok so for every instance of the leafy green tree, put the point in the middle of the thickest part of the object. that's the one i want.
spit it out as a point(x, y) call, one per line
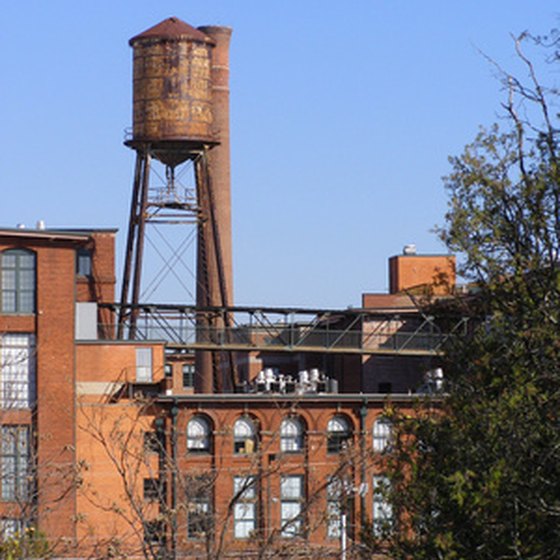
point(476, 472)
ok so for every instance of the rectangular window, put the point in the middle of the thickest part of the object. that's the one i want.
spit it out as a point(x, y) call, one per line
point(334, 507)
point(151, 443)
point(14, 463)
point(245, 507)
point(382, 510)
point(83, 262)
point(17, 370)
point(154, 533)
point(200, 522)
point(188, 375)
point(143, 365)
point(153, 490)
point(291, 505)
point(17, 275)
point(10, 527)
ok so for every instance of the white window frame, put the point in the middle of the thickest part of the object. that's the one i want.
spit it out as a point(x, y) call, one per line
point(382, 512)
point(144, 365)
point(291, 435)
point(17, 370)
point(10, 527)
point(339, 432)
point(292, 495)
point(244, 507)
point(334, 507)
point(14, 462)
point(200, 521)
point(199, 435)
point(244, 436)
point(382, 434)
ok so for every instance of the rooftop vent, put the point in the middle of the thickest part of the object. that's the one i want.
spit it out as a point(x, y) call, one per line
point(409, 249)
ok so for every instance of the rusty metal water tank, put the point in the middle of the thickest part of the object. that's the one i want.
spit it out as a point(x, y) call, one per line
point(172, 92)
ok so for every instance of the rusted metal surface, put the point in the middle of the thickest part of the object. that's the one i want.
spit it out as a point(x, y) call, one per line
point(172, 91)
point(172, 28)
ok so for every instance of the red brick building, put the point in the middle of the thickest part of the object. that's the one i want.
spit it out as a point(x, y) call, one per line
point(107, 449)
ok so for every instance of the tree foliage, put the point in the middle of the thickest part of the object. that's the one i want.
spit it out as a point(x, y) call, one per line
point(477, 474)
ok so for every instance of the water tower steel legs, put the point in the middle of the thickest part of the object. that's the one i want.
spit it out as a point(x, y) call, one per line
point(212, 275)
point(135, 241)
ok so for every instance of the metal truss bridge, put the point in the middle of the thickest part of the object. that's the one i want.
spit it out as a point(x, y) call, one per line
point(269, 329)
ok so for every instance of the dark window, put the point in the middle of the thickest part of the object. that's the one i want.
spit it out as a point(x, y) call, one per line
point(382, 509)
point(200, 520)
point(83, 262)
point(154, 533)
point(168, 370)
point(17, 272)
point(15, 463)
point(153, 490)
point(385, 387)
point(151, 443)
point(188, 375)
point(339, 434)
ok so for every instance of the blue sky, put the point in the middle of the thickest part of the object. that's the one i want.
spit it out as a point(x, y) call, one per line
point(343, 116)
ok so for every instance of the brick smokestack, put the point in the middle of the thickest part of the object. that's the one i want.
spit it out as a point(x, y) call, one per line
point(208, 289)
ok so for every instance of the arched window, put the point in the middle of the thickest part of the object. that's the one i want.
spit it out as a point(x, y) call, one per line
point(339, 432)
point(17, 275)
point(291, 435)
point(382, 434)
point(244, 436)
point(199, 435)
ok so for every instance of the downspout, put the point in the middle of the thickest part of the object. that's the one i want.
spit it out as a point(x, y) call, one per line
point(174, 413)
point(363, 470)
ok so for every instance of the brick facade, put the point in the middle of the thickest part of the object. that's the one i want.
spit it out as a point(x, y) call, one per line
point(126, 458)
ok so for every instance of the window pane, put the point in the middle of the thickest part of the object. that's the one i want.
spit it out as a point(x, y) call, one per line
point(17, 371)
point(14, 462)
point(291, 523)
point(245, 485)
point(26, 279)
point(143, 365)
point(243, 428)
point(244, 529)
point(8, 280)
point(291, 487)
point(198, 435)
point(17, 272)
point(382, 431)
point(382, 510)
point(188, 375)
point(26, 260)
point(9, 302)
point(83, 262)
point(334, 514)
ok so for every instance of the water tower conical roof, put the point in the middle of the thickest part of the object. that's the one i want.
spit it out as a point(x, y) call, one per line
point(172, 28)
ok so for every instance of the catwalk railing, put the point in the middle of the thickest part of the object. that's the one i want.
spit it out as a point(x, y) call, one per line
point(350, 331)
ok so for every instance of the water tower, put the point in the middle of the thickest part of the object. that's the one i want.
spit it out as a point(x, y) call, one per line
point(181, 114)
